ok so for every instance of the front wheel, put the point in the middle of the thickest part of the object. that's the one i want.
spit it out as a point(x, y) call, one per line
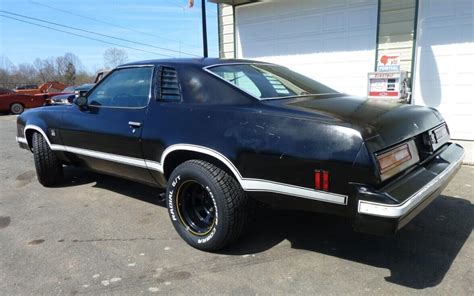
point(49, 169)
point(207, 206)
point(17, 108)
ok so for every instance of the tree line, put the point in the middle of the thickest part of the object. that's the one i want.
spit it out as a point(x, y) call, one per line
point(67, 69)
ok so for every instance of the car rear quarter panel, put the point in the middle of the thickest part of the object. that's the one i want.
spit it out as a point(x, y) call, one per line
point(259, 143)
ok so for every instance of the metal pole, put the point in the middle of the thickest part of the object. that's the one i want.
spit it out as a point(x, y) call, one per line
point(204, 29)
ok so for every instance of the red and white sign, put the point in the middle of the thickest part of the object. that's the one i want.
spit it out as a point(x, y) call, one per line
point(386, 85)
point(388, 63)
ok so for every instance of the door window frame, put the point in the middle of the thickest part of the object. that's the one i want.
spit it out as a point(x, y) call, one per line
point(150, 93)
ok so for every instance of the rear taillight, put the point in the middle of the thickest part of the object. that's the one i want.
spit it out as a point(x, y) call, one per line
point(395, 160)
point(321, 180)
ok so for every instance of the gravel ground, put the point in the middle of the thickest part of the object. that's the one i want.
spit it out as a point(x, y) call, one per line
point(102, 235)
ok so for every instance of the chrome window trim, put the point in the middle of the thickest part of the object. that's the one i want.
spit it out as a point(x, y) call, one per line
point(299, 96)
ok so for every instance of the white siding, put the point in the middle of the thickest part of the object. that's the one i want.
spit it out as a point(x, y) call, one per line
point(332, 41)
point(226, 31)
point(396, 30)
point(444, 75)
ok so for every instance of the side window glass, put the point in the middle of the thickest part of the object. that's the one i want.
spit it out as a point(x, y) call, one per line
point(128, 87)
point(240, 79)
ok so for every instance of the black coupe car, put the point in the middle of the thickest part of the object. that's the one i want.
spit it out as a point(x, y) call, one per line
point(222, 134)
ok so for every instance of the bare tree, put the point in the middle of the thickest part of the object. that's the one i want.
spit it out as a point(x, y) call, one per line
point(46, 69)
point(70, 73)
point(7, 68)
point(114, 57)
point(67, 69)
point(63, 62)
point(84, 77)
point(6, 64)
point(26, 73)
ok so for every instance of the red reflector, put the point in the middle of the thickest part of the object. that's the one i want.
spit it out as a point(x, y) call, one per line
point(317, 180)
point(321, 180)
point(325, 181)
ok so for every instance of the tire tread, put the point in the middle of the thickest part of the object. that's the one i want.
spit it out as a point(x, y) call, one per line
point(49, 169)
point(239, 207)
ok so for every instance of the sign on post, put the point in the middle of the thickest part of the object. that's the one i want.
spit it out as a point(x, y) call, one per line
point(391, 85)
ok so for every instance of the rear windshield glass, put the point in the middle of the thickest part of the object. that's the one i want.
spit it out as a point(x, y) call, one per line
point(269, 81)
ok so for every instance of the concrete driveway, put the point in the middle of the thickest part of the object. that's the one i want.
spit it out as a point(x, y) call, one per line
point(102, 235)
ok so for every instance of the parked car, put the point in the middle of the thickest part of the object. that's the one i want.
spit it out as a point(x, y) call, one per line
point(69, 94)
point(100, 75)
point(16, 103)
point(27, 86)
point(222, 134)
point(5, 91)
point(47, 87)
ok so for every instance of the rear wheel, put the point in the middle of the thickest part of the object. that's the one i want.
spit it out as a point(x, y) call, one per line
point(49, 169)
point(207, 206)
point(17, 108)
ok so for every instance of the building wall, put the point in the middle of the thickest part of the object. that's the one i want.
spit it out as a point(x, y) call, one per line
point(444, 71)
point(395, 34)
point(331, 41)
point(226, 31)
point(443, 36)
point(397, 29)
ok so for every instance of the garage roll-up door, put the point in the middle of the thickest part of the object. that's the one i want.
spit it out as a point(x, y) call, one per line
point(332, 41)
point(444, 72)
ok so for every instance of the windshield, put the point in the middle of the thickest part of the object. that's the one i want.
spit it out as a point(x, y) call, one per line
point(269, 81)
point(86, 86)
point(70, 88)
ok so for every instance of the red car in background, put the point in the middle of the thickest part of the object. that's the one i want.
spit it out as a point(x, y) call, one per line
point(16, 101)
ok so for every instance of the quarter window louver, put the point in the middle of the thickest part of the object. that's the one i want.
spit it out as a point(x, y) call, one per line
point(277, 85)
point(169, 86)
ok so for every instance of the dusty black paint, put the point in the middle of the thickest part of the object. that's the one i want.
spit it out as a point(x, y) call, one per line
point(283, 140)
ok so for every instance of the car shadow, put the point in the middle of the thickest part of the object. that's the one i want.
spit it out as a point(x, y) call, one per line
point(419, 256)
point(74, 176)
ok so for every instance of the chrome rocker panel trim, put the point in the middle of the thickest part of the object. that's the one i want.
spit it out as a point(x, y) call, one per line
point(248, 184)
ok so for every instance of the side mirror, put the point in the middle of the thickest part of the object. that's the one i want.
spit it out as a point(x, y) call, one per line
point(82, 93)
point(81, 101)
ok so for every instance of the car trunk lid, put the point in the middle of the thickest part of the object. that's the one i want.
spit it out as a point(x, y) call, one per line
point(382, 123)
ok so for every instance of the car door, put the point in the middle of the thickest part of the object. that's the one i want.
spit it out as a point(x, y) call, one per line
point(105, 134)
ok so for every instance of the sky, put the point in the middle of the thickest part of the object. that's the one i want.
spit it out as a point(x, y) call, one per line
point(159, 28)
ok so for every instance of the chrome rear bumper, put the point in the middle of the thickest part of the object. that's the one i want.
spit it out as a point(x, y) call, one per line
point(415, 191)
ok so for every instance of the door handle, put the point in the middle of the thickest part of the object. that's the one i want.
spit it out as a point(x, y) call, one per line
point(134, 124)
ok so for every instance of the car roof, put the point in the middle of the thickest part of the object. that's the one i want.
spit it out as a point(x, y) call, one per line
point(194, 62)
point(86, 86)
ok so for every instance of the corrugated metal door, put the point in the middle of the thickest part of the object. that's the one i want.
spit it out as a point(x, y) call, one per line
point(444, 72)
point(332, 41)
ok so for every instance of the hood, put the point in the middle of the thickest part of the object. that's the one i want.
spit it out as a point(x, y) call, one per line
point(59, 108)
point(381, 122)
